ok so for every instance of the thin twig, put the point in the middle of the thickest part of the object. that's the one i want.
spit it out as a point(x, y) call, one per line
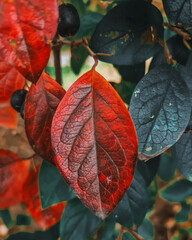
point(179, 30)
point(57, 64)
point(134, 234)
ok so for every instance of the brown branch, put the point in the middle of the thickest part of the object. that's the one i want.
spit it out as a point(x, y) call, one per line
point(179, 30)
point(57, 64)
point(82, 42)
point(134, 234)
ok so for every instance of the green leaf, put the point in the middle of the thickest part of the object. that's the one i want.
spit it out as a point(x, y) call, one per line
point(81, 54)
point(178, 191)
point(51, 234)
point(183, 215)
point(182, 154)
point(125, 32)
point(88, 24)
point(125, 90)
point(78, 222)
point(80, 6)
point(148, 169)
point(145, 230)
point(179, 11)
point(53, 188)
point(6, 217)
point(23, 220)
point(159, 109)
point(152, 190)
point(132, 73)
point(133, 207)
point(127, 236)
point(108, 232)
point(167, 167)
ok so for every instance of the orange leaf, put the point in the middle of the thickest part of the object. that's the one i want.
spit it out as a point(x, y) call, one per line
point(44, 217)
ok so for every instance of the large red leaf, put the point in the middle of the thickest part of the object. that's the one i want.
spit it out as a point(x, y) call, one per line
point(31, 196)
point(12, 177)
point(40, 106)
point(95, 143)
point(8, 116)
point(25, 30)
point(10, 80)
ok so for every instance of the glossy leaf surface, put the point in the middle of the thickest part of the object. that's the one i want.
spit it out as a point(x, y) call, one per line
point(78, 222)
point(52, 190)
point(95, 143)
point(159, 108)
point(12, 178)
point(179, 11)
point(40, 105)
point(10, 80)
point(25, 30)
point(31, 196)
point(125, 32)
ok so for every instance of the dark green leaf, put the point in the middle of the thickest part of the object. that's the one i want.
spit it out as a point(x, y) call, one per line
point(183, 215)
point(125, 90)
point(178, 191)
point(148, 169)
point(81, 54)
point(152, 190)
point(53, 188)
point(177, 49)
point(108, 232)
point(127, 236)
point(23, 220)
point(125, 32)
point(182, 154)
point(51, 234)
point(132, 73)
point(78, 222)
point(179, 11)
point(6, 217)
point(133, 207)
point(167, 167)
point(88, 24)
point(145, 230)
point(159, 108)
point(80, 6)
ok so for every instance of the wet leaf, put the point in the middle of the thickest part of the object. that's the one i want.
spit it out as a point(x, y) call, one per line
point(40, 105)
point(95, 143)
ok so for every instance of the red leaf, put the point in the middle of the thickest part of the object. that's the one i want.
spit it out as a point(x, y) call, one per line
point(40, 106)
point(25, 30)
point(12, 178)
point(8, 116)
point(95, 143)
point(10, 80)
point(7, 157)
point(44, 217)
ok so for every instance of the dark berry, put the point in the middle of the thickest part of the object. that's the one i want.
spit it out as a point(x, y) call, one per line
point(22, 110)
point(17, 99)
point(69, 20)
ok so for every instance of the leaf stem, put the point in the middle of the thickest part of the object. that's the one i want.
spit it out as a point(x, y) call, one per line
point(57, 63)
point(77, 43)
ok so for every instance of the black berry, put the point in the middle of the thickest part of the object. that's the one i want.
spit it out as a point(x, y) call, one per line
point(18, 98)
point(22, 110)
point(69, 20)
